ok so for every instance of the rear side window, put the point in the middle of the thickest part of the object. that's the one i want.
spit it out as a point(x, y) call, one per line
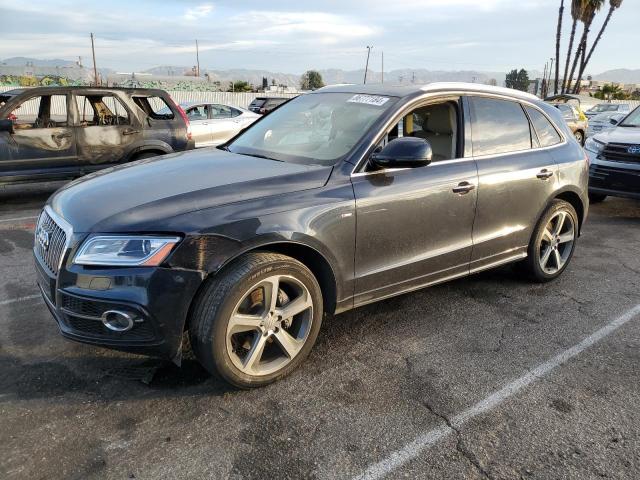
point(499, 126)
point(101, 111)
point(547, 134)
point(156, 107)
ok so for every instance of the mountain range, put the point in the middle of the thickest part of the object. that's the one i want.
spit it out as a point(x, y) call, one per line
point(333, 76)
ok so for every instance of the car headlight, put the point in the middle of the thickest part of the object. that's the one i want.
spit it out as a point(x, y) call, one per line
point(593, 145)
point(121, 250)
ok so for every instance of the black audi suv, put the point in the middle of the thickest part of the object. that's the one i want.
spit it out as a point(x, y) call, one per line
point(340, 198)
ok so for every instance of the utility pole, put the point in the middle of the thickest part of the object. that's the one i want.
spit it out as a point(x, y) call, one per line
point(366, 67)
point(550, 71)
point(544, 80)
point(382, 74)
point(413, 77)
point(197, 60)
point(95, 69)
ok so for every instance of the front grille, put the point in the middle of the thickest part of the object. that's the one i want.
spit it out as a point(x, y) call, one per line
point(50, 242)
point(619, 152)
point(83, 307)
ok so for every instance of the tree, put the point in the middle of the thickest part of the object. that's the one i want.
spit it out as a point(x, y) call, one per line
point(558, 38)
point(576, 13)
point(611, 92)
point(518, 80)
point(588, 13)
point(311, 80)
point(613, 5)
point(240, 86)
point(492, 81)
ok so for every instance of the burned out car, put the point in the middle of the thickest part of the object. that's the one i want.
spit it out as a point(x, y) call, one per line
point(337, 199)
point(53, 133)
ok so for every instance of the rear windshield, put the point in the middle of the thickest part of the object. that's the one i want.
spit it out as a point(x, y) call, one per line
point(156, 107)
point(258, 102)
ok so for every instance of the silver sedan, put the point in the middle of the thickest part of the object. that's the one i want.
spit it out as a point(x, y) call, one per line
point(214, 123)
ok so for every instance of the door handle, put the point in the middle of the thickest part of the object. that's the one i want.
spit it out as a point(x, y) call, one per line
point(463, 188)
point(544, 174)
point(130, 132)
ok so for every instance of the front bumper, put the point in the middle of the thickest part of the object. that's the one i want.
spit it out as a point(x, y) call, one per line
point(618, 179)
point(158, 299)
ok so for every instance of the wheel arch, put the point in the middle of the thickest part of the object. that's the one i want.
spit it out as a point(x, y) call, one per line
point(309, 256)
point(576, 202)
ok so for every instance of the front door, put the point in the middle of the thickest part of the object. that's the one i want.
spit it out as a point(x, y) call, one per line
point(517, 176)
point(225, 123)
point(43, 139)
point(198, 116)
point(414, 225)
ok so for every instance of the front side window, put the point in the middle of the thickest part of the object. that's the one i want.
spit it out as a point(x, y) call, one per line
point(101, 110)
point(43, 111)
point(499, 126)
point(318, 128)
point(547, 134)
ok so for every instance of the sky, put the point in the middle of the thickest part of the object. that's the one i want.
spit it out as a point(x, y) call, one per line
point(293, 36)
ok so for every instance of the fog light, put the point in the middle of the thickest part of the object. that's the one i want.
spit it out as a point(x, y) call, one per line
point(117, 321)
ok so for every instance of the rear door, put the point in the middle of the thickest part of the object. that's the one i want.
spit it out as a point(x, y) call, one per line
point(43, 138)
point(517, 176)
point(224, 123)
point(106, 130)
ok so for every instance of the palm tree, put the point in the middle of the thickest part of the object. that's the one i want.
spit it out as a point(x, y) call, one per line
point(576, 13)
point(558, 38)
point(589, 10)
point(613, 5)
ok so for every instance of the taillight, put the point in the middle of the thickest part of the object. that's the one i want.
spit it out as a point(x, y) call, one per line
point(12, 117)
point(183, 114)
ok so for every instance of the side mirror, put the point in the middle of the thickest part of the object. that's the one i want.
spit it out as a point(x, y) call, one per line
point(6, 126)
point(404, 152)
point(613, 121)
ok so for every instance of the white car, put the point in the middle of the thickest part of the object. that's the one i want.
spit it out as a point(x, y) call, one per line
point(603, 122)
point(214, 123)
point(608, 108)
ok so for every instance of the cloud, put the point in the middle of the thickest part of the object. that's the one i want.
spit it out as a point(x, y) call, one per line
point(196, 13)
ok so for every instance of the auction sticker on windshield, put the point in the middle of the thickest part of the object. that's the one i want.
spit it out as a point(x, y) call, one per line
point(369, 100)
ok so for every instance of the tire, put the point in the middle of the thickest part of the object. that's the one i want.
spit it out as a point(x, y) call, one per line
point(596, 198)
point(242, 290)
point(579, 136)
point(559, 258)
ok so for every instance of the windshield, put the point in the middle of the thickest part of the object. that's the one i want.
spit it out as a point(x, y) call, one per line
point(604, 108)
point(632, 120)
point(317, 128)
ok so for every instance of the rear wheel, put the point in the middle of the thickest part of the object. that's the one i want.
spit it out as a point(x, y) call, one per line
point(258, 321)
point(553, 242)
point(596, 197)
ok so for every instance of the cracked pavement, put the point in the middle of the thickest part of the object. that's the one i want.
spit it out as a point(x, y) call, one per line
point(378, 378)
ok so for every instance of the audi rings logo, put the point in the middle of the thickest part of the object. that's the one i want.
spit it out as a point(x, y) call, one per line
point(43, 238)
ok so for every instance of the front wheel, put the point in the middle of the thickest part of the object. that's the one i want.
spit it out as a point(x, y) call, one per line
point(553, 242)
point(579, 137)
point(258, 321)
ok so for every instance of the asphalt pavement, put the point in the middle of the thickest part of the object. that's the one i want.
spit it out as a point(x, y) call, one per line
point(488, 377)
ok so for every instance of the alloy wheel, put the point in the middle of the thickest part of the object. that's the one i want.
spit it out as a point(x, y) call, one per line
point(269, 325)
point(557, 242)
point(579, 137)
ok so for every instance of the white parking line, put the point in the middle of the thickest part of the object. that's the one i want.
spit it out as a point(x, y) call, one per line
point(19, 299)
point(426, 440)
point(6, 220)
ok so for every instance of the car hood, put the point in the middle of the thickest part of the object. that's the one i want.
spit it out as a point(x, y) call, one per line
point(121, 198)
point(620, 135)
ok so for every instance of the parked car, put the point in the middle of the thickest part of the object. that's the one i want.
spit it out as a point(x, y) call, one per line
point(52, 133)
point(615, 160)
point(572, 117)
point(214, 123)
point(247, 246)
point(608, 108)
point(603, 122)
point(264, 105)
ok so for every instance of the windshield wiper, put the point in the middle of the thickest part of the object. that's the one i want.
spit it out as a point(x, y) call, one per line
point(257, 155)
point(628, 125)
